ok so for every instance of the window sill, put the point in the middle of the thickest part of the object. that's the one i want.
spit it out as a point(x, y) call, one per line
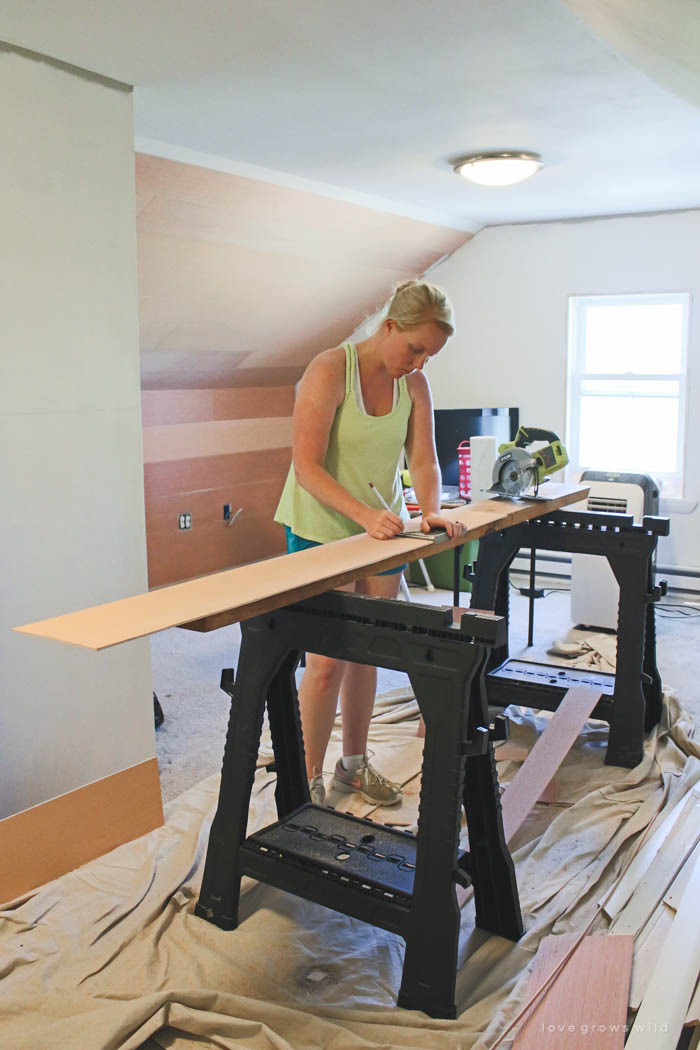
point(676, 505)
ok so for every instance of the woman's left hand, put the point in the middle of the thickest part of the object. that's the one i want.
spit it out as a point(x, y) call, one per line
point(434, 521)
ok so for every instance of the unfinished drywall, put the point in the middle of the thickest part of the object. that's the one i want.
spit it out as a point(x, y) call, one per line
point(72, 523)
point(510, 287)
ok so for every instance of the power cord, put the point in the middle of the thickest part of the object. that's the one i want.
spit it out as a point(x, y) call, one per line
point(667, 610)
point(678, 610)
point(545, 591)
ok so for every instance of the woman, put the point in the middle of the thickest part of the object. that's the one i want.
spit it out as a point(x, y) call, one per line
point(357, 409)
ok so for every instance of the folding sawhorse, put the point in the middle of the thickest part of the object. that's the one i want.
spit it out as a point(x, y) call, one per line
point(390, 878)
point(632, 697)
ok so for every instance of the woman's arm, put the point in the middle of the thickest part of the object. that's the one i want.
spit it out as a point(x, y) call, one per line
point(422, 457)
point(319, 395)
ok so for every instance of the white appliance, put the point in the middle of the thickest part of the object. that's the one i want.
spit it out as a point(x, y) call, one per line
point(595, 592)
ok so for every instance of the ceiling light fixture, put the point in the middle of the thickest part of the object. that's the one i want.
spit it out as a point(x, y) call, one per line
point(498, 169)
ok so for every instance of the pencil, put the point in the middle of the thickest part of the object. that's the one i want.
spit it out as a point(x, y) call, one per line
point(380, 497)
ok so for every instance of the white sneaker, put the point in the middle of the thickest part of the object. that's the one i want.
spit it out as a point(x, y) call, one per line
point(317, 790)
point(367, 782)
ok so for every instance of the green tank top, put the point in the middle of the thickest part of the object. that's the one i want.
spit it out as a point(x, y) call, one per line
point(361, 448)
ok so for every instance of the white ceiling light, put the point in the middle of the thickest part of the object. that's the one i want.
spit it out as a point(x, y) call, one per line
point(498, 169)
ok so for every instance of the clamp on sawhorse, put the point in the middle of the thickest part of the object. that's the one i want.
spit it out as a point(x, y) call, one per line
point(391, 878)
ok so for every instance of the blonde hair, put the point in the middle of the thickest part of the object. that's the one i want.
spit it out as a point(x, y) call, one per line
point(414, 303)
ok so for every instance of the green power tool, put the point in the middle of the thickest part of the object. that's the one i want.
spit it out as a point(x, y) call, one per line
point(516, 470)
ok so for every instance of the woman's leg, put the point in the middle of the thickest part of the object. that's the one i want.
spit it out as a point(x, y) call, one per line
point(318, 702)
point(359, 684)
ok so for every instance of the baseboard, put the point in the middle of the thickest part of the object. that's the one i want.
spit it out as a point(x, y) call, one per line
point(41, 843)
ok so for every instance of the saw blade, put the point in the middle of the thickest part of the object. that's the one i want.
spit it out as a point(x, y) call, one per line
point(516, 479)
point(517, 472)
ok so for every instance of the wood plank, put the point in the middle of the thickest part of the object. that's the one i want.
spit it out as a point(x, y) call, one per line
point(480, 519)
point(190, 369)
point(231, 596)
point(660, 1018)
point(508, 752)
point(647, 946)
point(41, 843)
point(674, 896)
point(170, 407)
point(643, 860)
point(652, 887)
point(548, 753)
point(170, 477)
point(586, 1005)
point(550, 750)
point(692, 1017)
point(219, 436)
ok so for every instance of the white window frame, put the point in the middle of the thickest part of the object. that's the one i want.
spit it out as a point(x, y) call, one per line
point(671, 484)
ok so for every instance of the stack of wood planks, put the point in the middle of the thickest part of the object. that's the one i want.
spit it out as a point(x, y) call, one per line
point(636, 986)
point(656, 903)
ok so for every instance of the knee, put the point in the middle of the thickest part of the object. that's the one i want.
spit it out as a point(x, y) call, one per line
point(325, 672)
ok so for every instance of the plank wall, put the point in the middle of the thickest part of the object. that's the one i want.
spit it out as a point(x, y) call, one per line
point(241, 283)
point(244, 437)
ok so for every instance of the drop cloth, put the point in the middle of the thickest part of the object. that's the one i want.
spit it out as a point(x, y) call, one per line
point(111, 954)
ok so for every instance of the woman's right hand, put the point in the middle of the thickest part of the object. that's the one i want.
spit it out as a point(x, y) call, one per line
point(382, 524)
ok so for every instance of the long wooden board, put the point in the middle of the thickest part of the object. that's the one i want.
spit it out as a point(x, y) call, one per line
point(586, 1005)
point(550, 750)
point(661, 874)
point(645, 859)
point(248, 590)
point(660, 1018)
point(536, 772)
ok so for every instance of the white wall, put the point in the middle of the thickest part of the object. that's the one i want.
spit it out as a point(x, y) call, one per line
point(509, 286)
point(72, 529)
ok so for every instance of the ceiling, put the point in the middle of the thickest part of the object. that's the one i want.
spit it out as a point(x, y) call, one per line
point(369, 101)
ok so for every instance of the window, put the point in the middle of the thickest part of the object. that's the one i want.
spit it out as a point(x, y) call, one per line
point(627, 385)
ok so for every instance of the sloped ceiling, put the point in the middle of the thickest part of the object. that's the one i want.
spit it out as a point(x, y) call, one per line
point(242, 282)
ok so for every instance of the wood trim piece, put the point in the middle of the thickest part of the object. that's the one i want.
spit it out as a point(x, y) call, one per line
point(587, 1003)
point(662, 873)
point(674, 896)
point(41, 843)
point(616, 901)
point(550, 750)
point(538, 769)
point(647, 946)
point(660, 1018)
point(227, 597)
point(693, 1015)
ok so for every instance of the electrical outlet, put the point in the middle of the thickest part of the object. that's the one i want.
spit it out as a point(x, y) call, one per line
point(227, 511)
point(185, 521)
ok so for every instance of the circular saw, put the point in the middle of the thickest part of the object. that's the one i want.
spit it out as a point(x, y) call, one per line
point(516, 470)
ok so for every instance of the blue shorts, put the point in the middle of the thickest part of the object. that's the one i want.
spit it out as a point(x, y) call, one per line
point(298, 543)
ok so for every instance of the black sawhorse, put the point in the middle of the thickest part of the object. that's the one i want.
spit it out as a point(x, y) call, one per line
point(401, 882)
point(632, 697)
